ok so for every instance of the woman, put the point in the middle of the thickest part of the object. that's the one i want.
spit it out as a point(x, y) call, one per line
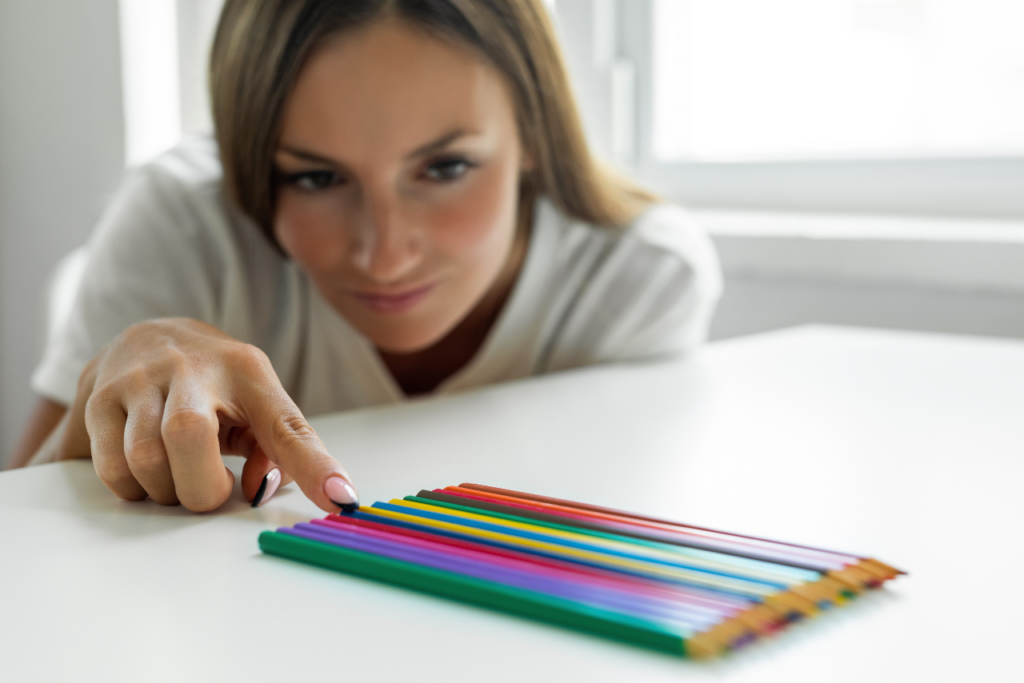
point(400, 201)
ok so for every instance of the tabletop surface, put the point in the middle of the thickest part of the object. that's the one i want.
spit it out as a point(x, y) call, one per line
point(908, 447)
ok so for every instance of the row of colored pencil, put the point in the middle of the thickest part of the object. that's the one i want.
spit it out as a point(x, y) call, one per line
point(683, 589)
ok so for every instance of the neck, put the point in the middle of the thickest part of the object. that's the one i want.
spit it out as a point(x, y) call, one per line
point(421, 372)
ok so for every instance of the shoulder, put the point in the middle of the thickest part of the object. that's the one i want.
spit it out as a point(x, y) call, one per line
point(676, 236)
point(186, 176)
point(193, 164)
point(175, 203)
point(637, 291)
point(170, 237)
point(665, 239)
point(669, 227)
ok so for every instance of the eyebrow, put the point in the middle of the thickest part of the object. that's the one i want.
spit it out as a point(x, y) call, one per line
point(421, 151)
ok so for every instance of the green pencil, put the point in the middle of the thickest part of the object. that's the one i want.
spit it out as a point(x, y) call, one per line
point(497, 596)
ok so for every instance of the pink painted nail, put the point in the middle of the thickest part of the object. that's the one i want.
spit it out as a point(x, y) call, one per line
point(342, 494)
point(267, 487)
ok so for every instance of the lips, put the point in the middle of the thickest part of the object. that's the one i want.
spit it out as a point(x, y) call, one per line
point(393, 302)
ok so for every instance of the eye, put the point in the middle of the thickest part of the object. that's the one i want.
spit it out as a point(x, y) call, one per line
point(445, 170)
point(312, 181)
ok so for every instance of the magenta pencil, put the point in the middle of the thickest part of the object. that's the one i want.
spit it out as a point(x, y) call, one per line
point(712, 590)
point(655, 588)
point(624, 591)
point(475, 564)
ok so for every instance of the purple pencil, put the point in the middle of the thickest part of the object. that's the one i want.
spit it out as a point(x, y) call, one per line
point(685, 623)
point(628, 590)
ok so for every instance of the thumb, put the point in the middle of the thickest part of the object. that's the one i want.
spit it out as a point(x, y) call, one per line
point(287, 439)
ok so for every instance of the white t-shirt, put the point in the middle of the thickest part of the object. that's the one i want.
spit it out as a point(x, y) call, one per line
point(170, 245)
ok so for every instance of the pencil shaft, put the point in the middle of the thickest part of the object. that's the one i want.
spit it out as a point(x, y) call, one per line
point(726, 561)
point(473, 591)
point(715, 539)
point(626, 530)
point(656, 520)
point(693, 597)
point(571, 554)
point(616, 598)
point(609, 557)
point(682, 589)
point(597, 542)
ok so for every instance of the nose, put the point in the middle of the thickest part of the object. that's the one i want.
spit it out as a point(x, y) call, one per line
point(387, 247)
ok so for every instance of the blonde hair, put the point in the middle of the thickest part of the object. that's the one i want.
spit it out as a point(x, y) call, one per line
point(261, 45)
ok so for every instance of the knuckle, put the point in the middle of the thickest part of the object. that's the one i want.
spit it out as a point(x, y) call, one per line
point(248, 359)
point(136, 380)
point(291, 428)
point(133, 332)
point(147, 329)
point(153, 346)
point(106, 392)
point(100, 402)
point(200, 501)
point(135, 338)
point(187, 422)
point(115, 474)
point(146, 456)
point(165, 362)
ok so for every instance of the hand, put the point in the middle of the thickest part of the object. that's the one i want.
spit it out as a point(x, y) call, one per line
point(160, 405)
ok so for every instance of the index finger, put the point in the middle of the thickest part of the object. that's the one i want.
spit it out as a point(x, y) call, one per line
point(287, 439)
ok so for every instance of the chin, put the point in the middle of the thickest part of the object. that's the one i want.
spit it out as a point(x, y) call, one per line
point(407, 341)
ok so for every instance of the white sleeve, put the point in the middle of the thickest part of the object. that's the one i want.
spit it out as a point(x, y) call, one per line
point(651, 293)
point(148, 258)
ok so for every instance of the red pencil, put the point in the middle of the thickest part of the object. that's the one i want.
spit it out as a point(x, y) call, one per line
point(873, 568)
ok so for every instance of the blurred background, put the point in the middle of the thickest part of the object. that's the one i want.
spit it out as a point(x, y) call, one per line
point(858, 162)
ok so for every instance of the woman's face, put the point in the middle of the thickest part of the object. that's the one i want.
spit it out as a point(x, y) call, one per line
point(398, 174)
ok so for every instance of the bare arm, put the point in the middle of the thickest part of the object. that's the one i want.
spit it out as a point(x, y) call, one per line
point(45, 417)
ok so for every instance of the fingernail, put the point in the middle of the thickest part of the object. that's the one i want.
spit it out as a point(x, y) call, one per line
point(342, 494)
point(267, 487)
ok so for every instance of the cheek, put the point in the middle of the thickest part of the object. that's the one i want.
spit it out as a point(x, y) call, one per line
point(309, 231)
point(476, 228)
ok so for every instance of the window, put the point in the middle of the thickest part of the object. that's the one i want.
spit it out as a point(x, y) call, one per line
point(164, 52)
point(789, 79)
point(892, 106)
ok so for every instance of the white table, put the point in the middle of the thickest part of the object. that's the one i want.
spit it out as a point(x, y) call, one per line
point(906, 446)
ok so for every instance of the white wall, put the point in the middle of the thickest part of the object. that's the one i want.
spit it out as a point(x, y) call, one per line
point(61, 155)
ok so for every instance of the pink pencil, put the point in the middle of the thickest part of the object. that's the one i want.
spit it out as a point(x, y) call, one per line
point(653, 588)
point(625, 598)
point(621, 588)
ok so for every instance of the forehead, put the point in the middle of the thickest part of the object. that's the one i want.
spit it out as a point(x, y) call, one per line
point(390, 87)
